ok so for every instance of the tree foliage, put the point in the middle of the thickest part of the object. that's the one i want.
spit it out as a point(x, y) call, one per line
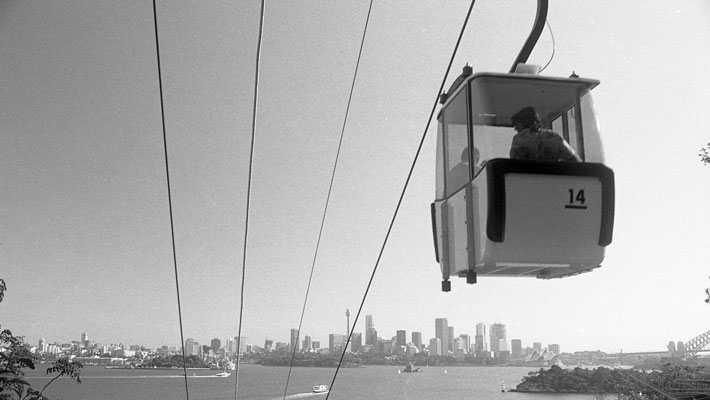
point(16, 357)
point(705, 154)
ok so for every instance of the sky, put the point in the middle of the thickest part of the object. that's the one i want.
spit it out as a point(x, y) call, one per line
point(85, 243)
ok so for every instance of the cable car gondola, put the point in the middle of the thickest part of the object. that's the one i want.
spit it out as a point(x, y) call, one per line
point(497, 216)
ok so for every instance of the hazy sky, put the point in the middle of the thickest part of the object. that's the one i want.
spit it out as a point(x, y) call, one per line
point(85, 232)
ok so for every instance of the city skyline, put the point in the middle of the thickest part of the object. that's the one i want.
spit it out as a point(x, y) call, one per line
point(89, 225)
point(488, 345)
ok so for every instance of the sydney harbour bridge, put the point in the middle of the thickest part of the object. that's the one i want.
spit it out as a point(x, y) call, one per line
point(691, 348)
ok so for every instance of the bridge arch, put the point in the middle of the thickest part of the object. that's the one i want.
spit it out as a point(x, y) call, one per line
point(694, 345)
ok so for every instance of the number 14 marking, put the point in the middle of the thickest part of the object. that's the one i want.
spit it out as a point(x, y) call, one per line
point(576, 199)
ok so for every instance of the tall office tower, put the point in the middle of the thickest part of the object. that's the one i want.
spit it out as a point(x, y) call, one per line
point(356, 342)
point(370, 332)
point(231, 346)
point(441, 331)
point(537, 346)
point(517, 348)
point(347, 316)
point(481, 339)
point(268, 345)
point(451, 337)
point(190, 347)
point(466, 342)
point(307, 344)
point(497, 334)
point(554, 348)
point(294, 340)
point(417, 339)
point(215, 344)
point(336, 342)
point(434, 347)
point(241, 343)
point(84, 338)
point(401, 338)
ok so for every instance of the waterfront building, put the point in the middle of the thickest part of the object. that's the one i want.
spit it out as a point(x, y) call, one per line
point(459, 349)
point(42, 346)
point(215, 344)
point(268, 345)
point(465, 340)
point(401, 338)
point(516, 348)
point(241, 343)
point(356, 342)
point(231, 346)
point(315, 344)
point(191, 347)
point(336, 342)
point(441, 332)
point(554, 348)
point(85, 340)
point(434, 347)
point(294, 340)
point(281, 347)
point(417, 340)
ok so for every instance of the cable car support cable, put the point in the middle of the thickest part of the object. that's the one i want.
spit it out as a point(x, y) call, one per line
point(330, 188)
point(401, 197)
point(246, 217)
point(170, 204)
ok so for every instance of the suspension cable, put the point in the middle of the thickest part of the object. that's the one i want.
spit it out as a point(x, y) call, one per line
point(170, 203)
point(246, 218)
point(327, 199)
point(401, 197)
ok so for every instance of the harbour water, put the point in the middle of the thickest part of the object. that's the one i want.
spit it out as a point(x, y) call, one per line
point(266, 383)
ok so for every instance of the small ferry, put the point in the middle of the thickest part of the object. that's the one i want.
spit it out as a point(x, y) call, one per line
point(320, 388)
point(224, 374)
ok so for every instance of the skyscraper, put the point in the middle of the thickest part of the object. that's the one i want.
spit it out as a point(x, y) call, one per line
point(356, 342)
point(370, 332)
point(451, 337)
point(190, 347)
point(517, 348)
point(434, 347)
point(336, 342)
point(441, 331)
point(294, 340)
point(215, 344)
point(417, 339)
point(401, 338)
point(497, 334)
point(481, 338)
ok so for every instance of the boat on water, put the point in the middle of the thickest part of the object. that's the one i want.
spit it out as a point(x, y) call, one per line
point(223, 374)
point(320, 388)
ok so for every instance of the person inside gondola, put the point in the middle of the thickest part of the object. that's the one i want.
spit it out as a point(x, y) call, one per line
point(459, 173)
point(534, 143)
point(458, 176)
